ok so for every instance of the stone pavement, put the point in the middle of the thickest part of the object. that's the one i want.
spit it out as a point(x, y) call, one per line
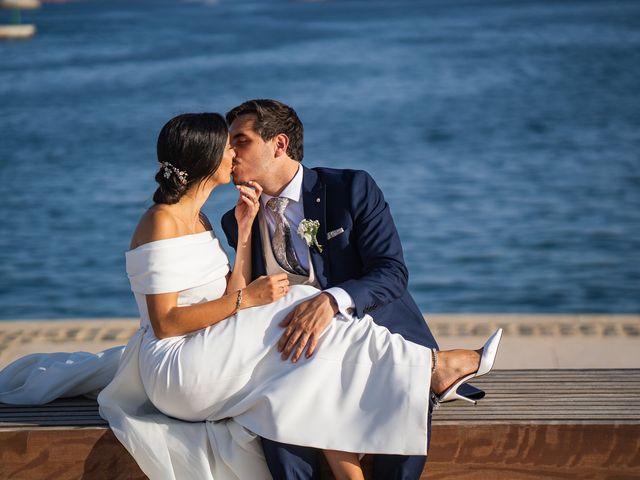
point(530, 341)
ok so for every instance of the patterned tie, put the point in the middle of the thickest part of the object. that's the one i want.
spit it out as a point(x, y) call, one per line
point(281, 242)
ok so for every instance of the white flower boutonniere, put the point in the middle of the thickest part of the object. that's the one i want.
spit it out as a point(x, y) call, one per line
point(308, 231)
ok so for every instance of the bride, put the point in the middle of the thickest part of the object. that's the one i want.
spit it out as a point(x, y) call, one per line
point(207, 349)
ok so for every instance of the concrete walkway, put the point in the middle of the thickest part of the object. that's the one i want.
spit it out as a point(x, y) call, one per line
point(530, 341)
point(547, 341)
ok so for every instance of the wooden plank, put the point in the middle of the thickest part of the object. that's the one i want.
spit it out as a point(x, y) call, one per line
point(509, 452)
point(527, 452)
point(512, 396)
point(65, 455)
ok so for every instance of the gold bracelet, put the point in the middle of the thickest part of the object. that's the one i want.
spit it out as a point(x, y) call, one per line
point(434, 360)
point(238, 302)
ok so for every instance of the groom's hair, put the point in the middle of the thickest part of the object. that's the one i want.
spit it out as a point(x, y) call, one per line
point(273, 118)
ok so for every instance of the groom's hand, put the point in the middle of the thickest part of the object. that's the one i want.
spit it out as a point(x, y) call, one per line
point(304, 325)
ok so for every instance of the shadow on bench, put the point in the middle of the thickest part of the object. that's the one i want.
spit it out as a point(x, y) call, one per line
point(533, 424)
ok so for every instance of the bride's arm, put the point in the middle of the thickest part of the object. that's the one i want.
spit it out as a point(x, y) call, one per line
point(170, 320)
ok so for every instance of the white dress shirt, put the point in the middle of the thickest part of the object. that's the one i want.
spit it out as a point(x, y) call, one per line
point(294, 213)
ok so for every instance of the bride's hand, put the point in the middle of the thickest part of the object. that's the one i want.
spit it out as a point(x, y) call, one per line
point(248, 205)
point(266, 289)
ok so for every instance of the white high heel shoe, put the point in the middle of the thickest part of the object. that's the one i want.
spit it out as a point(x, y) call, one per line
point(487, 360)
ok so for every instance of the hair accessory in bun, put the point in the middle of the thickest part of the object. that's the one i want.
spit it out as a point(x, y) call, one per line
point(168, 169)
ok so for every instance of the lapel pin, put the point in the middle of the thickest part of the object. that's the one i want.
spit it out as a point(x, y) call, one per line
point(318, 200)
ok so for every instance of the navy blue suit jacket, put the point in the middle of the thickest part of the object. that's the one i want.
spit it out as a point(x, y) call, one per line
point(366, 260)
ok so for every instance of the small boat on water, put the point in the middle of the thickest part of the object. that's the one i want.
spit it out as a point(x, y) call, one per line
point(20, 4)
point(18, 30)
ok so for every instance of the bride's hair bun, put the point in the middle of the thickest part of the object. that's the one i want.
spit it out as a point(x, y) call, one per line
point(190, 148)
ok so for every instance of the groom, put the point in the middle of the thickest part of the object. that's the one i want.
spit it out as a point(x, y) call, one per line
point(358, 264)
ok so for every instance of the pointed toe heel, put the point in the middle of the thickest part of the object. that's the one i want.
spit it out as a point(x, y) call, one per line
point(488, 358)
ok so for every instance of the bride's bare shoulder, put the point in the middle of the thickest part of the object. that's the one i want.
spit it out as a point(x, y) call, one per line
point(156, 224)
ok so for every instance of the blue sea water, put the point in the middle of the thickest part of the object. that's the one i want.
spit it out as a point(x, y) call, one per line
point(505, 135)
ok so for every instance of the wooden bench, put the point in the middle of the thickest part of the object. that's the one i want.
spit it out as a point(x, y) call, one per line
point(533, 424)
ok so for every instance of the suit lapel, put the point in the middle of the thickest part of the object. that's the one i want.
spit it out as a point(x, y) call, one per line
point(313, 198)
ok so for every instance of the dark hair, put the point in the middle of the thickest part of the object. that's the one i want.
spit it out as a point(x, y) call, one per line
point(273, 118)
point(193, 143)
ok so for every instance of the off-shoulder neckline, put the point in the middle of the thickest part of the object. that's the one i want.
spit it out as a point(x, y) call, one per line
point(166, 240)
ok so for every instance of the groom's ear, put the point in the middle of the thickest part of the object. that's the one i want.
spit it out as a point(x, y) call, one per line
point(280, 143)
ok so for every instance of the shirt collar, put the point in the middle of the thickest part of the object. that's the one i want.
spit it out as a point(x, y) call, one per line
point(293, 190)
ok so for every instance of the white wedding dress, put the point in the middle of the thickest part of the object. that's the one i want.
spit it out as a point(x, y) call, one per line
point(193, 406)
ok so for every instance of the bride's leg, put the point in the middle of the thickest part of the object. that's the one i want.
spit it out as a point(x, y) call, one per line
point(452, 365)
point(344, 465)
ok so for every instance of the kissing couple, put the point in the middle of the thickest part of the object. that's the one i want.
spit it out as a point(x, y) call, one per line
point(309, 345)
